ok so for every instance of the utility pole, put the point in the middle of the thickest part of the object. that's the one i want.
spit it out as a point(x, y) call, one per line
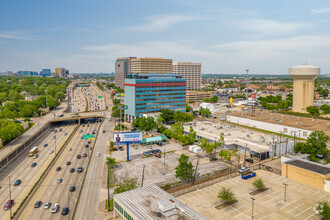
point(285, 185)
point(195, 171)
point(247, 84)
point(10, 197)
point(142, 175)
point(164, 155)
point(252, 206)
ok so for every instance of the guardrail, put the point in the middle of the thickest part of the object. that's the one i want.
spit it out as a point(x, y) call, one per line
point(82, 184)
point(27, 199)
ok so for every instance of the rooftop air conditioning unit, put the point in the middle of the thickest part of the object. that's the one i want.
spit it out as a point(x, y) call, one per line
point(166, 205)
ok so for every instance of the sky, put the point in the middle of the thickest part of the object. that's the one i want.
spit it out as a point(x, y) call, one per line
point(227, 37)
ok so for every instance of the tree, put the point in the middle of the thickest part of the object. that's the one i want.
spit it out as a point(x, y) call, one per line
point(60, 95)
point(126, 185)
point(204, 111)
point(184, 170)
point(116, 101)
point(27, 110)
point(226, 195)
point(167, 115)
point(188, 107)
point(182, 117)
point(13, 95)
point(325, 108)
point(259, 184)
point(207, 146)
point(323, 209)
point(145, 124)
point(313, 110)
point(324, 92)
point(282, 105)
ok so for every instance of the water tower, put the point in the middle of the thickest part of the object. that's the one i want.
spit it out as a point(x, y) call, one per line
point(303, 86)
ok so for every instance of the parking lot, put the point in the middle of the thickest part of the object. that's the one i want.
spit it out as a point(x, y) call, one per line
point(155, 169)
point(300, 199)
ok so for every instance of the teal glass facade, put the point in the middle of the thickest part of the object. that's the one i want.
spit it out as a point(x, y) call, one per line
point(149, 93)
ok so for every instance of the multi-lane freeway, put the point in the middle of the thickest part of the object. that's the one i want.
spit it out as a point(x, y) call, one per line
point(21, 168)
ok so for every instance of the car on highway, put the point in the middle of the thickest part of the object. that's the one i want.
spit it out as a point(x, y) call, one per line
point(78, 156)
point(81, 131)
point(51, 151)
point(35, 156)
point(158, 155)
point(65, 210)
point(89, 142)
point(58, 168)
point(86, 146)
point(54, 137)
point(70, 149)
point(243, 169)
point(37, 204)
point(103, 131)
point(59, 180)
point(47, 205)
point(68, 163)
point(17, 182)
point(55, 208)
point(33, 164)
point(84, 155)
point(80, 169)
point(72, 170)
point(98, 154)
point(51, 130)
point(91, 148)
point(65, 134)
point(60, 129)
point(83, 125)
point(8, 204)
point(45, 145)
point(55, 131)
point(72, 188)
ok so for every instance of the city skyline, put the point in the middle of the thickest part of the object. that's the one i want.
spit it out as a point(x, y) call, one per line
point(226, 37)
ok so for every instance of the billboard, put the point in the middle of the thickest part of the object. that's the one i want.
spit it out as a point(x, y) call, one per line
point(127, 137)
point(88, 137)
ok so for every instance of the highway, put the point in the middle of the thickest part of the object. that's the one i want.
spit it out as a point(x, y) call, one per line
point(20, 167)
point(94, 102)
point(90, 196)
point(78, 101)
point(50, 190)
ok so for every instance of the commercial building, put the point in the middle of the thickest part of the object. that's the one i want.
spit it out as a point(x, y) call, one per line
point(61, 72)
point(149, 93)
point(151, 203)
point(9, 73)
point(147, 65)
point(46, 72)
point(25, 73)
point(197, 96)
point(122, 68)
point(307, 172)
point(192, 72)
point(303, 86)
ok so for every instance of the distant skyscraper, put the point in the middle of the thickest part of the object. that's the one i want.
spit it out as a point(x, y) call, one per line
point(61, 72)
point(122, 68)
point(46, 72)
point(192, 72)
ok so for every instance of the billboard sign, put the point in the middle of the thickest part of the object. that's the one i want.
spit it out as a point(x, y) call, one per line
point(100, 97)
point(127, 137)
point(122, 107)
point(88, 137)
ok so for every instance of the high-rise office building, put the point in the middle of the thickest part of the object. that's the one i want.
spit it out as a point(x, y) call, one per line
point(61, 72)
point(149, 93)
point(122, 68)
point(192, 72)
point(147, 65)
point(46, 72)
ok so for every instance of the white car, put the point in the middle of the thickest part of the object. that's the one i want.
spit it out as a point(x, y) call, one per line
point(51, 151)
point(55, 208)
point(243, 169)
point(98, 154)
point(47, 205)
point(35, 156)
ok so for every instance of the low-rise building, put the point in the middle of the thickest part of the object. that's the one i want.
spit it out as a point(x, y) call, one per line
point(151, 203)
point(197, 96)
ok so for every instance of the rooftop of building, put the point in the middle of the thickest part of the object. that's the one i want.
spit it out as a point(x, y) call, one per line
point(301, 122)
point(186, 63)
point(192, 92)
point(311, 166)
point(146, 202)
point(146, 76)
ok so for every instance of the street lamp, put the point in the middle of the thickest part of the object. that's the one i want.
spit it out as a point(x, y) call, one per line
point(285, 185)
point(252, 199)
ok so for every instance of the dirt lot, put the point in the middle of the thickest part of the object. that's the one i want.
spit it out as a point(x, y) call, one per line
point(300, 201)
point(155, 169)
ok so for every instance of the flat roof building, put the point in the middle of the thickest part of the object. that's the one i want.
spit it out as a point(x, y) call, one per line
point(149, 93)
point(61, 72)
point(197, 96)
point(122, 69)
point(192, 72)
point(151, 203)
point(147, 65)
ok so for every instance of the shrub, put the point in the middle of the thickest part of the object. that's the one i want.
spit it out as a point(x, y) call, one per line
point(259, 184)
point(226, 195)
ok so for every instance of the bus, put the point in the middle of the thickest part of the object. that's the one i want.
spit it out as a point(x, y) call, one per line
point(33, 151)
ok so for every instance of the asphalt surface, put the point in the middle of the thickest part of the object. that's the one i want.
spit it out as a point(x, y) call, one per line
point(51, 191)
point(94, 102)
point(78, 101)
point(20, 168)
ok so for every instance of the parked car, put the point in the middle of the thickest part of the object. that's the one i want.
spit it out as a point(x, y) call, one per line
point(121, 148)
point(115, 148)
point(17, 182)
point(213, 159)
point(243, 169)
point(47, 205)
point(158, 151)
point(8, 204)
point(149, 147)
point(250, 160)
point(80, 169)
point(65, 210)
point(72, 188)
point(33, 164)
point(158, 155)
point(135, 147)
point(37, 204)
point(58, 168)
point(55, 208)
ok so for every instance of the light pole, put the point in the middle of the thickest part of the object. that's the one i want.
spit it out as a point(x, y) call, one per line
point(285, 185)
point(252, 199)
point(247, 84)
point(164, 155)
point(10, 197)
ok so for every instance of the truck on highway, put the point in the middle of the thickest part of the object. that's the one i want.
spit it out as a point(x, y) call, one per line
point(33, 151)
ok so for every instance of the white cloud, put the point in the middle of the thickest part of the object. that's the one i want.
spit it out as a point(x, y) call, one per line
point(269, 27)
point(12, 35)
point(162, 22)
point(320, 11)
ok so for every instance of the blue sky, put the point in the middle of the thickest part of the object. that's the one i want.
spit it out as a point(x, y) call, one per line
point(225, 36)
